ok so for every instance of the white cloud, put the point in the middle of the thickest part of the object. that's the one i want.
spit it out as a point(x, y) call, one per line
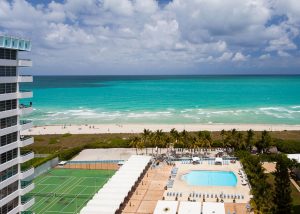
point(238, 57)
point(120, 7)
point(265, 56)
point(120, 34)
point(146, 6)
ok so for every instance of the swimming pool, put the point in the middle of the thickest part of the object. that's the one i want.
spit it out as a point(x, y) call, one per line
point(210, 178)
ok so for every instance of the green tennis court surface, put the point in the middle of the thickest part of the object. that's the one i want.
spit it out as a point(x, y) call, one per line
point(67, 190)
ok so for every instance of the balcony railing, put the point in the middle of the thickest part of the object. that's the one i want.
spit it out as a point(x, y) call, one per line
point(26, 157)
point(22, 106)
point(25, 184)
point(24, 63)
point(25, 78)
point(26, 173)
point(23, 122)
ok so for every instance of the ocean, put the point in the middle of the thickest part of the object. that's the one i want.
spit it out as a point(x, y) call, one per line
point(165, 99)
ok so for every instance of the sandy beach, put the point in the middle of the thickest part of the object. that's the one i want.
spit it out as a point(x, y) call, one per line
point(137, 128)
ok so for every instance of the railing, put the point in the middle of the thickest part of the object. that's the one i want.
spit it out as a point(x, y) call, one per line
point(23, 122)
point(9, 175)
point(22, 106)
point(26, 198)
point(24, 153)
point(25, 137)
point(25, 184)
point(27, 169)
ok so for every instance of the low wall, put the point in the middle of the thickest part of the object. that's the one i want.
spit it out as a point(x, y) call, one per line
point(92, 165)
point(45, 167)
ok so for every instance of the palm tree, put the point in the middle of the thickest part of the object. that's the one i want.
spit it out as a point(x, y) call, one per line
point(223, 133)
point(145, 138)
point(174, 135)
point(135, 143)
point(159, 138)
point(240, 140)
point(249, 139)
point(184, 138)
point(204, 139)
point(265, 141)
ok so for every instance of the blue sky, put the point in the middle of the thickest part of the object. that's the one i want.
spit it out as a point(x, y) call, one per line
point(157, 37)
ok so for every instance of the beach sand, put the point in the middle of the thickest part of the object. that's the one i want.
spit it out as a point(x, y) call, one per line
point(138, 128)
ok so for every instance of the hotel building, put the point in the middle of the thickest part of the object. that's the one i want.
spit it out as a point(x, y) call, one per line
point(13, 183)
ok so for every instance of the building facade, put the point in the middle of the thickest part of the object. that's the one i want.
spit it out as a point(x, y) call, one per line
point(13, 183)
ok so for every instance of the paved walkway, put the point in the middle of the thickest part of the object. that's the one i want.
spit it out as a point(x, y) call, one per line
point(149, 191)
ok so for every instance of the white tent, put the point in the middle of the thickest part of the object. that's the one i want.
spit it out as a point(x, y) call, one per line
point(213, 208)
point(108, 199)
point(196, 159)
point(187, 207)
point(166, 207)
point(218, 161)
point(295, 157)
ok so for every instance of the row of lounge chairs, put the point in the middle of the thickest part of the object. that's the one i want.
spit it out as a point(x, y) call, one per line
point(174, 194)
point(170, 183)
point(213, 195)
point(207, 195)
point(243, 177)
point(174, 171)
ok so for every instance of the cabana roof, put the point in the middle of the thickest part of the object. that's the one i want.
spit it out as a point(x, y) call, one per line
point(213, 208)
point(109, 198)
point(166, 207)
point(187, 207)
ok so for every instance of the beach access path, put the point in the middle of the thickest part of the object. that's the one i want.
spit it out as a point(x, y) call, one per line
point(138, 128)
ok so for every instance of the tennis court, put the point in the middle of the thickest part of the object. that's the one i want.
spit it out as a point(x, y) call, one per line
point(67, 190)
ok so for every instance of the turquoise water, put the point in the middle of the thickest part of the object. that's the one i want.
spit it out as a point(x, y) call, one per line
point(210, 178)
point(165, 99)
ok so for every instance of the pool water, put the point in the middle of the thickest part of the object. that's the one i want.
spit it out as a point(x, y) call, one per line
point(210, 178)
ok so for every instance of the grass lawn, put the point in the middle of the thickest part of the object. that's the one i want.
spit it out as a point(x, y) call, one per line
point(67, 190)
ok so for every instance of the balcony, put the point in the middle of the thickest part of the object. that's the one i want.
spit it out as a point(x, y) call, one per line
point(8, 130)
point(9, 179)
point(25, 141)
point(26, 202)
point(8, 198)
point(26, 173)
point(9, 163)
point(25, 94)
point(25, 78)
point(9, 147)
point(26, 157)
point(26, 187)
point(25, 124)
point(10, 79)
point(24, 63)
point(8, 113)
point(25, 109)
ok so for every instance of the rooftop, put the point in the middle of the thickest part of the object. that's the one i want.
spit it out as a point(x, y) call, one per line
point(13, 42)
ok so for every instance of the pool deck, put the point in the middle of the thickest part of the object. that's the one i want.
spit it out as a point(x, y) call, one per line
point(180, 186)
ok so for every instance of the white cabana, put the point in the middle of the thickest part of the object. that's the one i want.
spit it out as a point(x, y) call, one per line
point(109, 198)
point(187, 207)
point(218, 161)
point(213, 208)
point(196, 159)
point(294, 156)
point(166, 207)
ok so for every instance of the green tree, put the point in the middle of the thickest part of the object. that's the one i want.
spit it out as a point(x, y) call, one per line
point(185, 138)
point(249, 139)
point(282, 197)
point(159, 139)
point(146, 138)
point(265, 141)
point(135, 142)
point(240, 141)
point(175, 137)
